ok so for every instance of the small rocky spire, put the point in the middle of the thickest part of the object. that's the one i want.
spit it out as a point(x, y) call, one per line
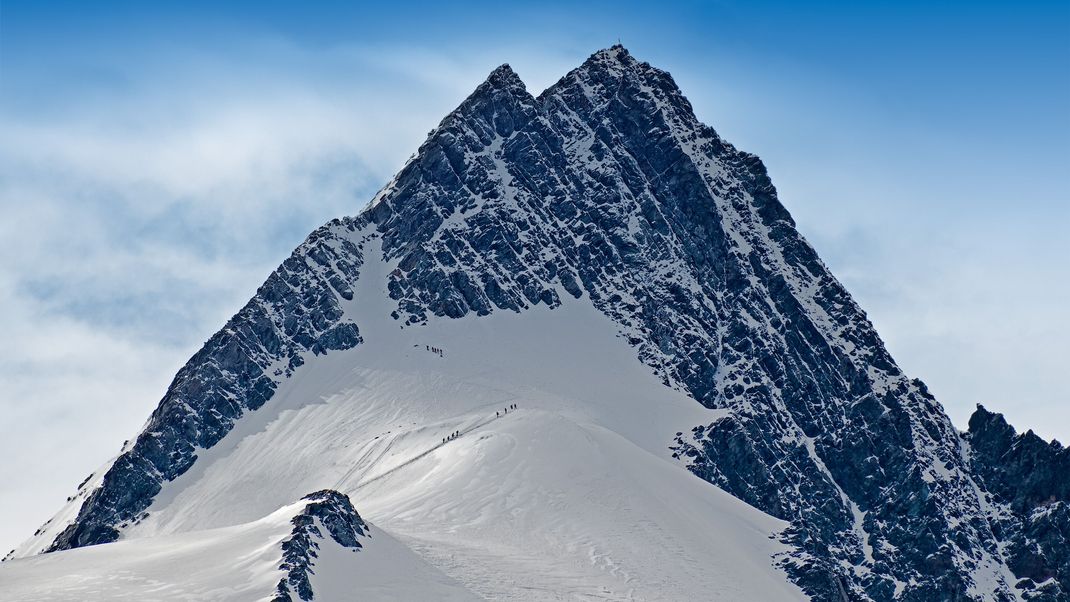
point(503, 77)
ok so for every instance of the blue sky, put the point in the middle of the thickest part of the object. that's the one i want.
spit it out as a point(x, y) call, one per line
point(157, 160)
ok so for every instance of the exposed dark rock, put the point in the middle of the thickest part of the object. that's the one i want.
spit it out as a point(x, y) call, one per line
point(330, 510)
point(298, 310)
point(1028, 481)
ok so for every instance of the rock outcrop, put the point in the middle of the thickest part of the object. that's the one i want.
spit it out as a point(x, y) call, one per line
point(329, 511)
point(1027, 485)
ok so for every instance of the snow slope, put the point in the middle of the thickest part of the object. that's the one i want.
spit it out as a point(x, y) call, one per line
point(240, 562)
point(574, 494)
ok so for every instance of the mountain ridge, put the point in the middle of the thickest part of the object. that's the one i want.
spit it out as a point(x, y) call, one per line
point(606, 189)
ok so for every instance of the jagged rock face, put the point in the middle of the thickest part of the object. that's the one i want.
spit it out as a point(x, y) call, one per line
point(297, 310)
point(334, 512)
point(1028, 482)
point(606, 187)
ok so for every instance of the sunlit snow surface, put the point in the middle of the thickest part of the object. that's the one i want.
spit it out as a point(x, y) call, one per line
point(573, 495)
point(230, 563)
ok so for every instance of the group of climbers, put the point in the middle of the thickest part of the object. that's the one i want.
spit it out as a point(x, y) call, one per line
point(441, 352)
point(497, 414)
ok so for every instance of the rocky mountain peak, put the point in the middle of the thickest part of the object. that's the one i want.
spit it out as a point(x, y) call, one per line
point(503, 76)
point(606, 190)
point(496, 108)
point(612, 78)
point(617, 52)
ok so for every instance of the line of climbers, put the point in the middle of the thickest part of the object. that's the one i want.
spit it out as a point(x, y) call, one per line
point(497, 414)
point(441, 352)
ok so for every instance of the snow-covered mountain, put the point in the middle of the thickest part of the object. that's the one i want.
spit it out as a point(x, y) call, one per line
point(575, 348)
